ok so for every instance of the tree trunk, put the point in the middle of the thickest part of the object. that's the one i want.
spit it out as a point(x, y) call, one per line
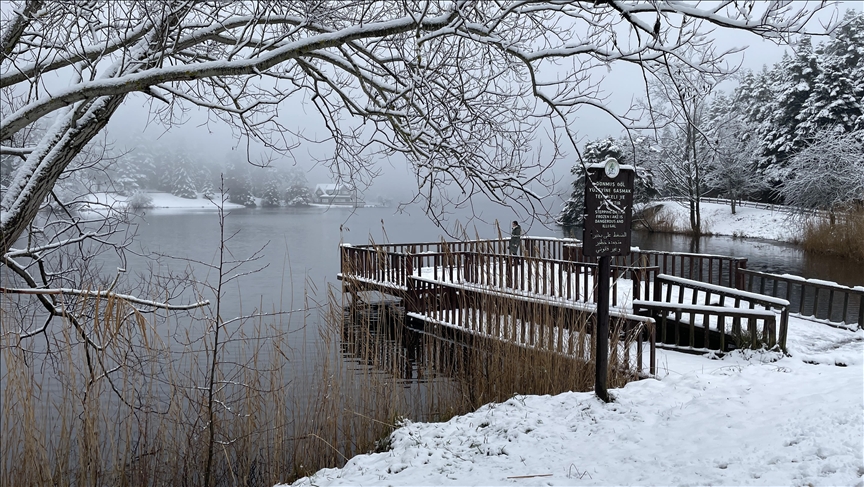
point(43, 167)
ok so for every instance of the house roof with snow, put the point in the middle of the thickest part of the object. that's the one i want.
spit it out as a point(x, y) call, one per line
point(331, 188)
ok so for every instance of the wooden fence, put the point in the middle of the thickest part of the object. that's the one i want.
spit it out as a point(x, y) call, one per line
point(542, 276)
point(814, 299)
point(745, 326)
point(513, 318)
point(720, 270)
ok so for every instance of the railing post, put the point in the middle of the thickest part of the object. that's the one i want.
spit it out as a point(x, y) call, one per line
point(739, 277)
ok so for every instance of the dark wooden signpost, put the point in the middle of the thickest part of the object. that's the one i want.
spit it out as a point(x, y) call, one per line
point(608, 212)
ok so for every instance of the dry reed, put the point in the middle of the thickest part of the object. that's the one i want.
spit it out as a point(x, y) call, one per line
point(845, 237)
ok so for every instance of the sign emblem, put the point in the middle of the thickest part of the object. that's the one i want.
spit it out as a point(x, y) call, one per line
point(608, 209)
point(612, 168)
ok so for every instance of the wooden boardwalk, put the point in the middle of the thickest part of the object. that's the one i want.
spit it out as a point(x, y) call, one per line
point(545, 297)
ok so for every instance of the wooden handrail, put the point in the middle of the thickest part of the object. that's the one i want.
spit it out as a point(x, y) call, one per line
point(660, 311)
point(722, 293)
point(449, 303)
point(845, 313)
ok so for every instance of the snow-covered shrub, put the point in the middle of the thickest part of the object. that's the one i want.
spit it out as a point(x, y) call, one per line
point(139, 201)
point(272, 191)
point(297, 195)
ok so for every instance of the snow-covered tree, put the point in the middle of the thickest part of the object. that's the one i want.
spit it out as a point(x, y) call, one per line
point(835, 102)
point(459, 88)
point(594, 152)
point(817, 89)
point(678, 105)
point(827, 175)
point(732, 170)
point(797, 78)
point(272, 194)
point(238, 184)
point(297, 192)
point(181, 183)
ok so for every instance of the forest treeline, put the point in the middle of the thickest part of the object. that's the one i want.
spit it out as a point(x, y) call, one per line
point(790, 133)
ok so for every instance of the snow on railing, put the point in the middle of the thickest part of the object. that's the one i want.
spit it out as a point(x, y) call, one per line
point(823, 301)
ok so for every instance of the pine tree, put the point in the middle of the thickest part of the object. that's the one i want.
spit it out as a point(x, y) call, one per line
point(237, 183)
point(140, 161)
point(126, 179)
point(297, 192)
point(595, 152)
point(182, 184)
point(272, 191)
point(798, 76)
point(835, 102)
point(177, 178)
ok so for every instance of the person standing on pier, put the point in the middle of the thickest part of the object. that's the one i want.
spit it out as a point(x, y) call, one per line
point(515, 238)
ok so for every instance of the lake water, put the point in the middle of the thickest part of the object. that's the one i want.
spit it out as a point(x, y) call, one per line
point(298, 253)
point(301, 247)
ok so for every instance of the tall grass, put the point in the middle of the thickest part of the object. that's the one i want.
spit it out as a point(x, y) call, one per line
point(661, 219)
point(845, 237)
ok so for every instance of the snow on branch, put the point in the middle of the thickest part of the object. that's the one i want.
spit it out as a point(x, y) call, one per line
point(464, 90)
point(107, 294)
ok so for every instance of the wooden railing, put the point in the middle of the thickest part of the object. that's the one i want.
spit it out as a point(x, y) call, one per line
point(511, 317)
point(553, 277)
point(702, 295)
point(549, 247)
point(545, 263)
point(712, 317)
point(712, 269)
point(535, 275)
point(813, 299)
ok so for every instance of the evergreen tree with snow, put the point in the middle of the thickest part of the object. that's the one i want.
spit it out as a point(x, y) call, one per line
point(238, 184)
point(126, 180)
point(595, 152)
point(272, 193)
point(297, 192)
point(182, 184)
point(140, 162)
point(798, 76)
point(835, 102)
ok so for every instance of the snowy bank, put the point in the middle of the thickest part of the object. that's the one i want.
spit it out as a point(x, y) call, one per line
point(751, 418)
point(98, 201)
point(746, 222)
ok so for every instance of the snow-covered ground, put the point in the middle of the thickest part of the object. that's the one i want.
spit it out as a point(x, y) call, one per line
point(750, 418)
point(158, 201)
point(746, 222)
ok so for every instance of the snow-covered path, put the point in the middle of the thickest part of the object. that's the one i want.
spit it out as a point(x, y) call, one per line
point(751, 418)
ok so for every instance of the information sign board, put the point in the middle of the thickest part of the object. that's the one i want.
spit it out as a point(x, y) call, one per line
point(608, 209)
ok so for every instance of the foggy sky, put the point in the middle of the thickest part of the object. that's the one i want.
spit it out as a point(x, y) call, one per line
point(623, 85)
